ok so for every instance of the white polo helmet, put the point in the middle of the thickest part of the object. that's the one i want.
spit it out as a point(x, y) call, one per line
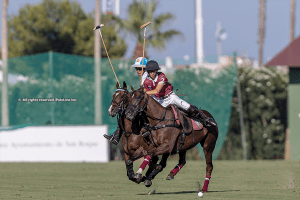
point(138, 62)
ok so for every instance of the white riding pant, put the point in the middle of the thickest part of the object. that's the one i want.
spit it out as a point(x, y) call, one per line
point(172, 99)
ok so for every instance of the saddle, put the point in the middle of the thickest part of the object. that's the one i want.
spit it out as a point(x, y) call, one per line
point(188, 125)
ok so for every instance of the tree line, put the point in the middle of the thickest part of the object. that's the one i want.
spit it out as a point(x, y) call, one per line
point(62, 26)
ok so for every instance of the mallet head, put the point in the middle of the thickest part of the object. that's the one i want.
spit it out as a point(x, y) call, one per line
point(99, 26)
point(146, 24)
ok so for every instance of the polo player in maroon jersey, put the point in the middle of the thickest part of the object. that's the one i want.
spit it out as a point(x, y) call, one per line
point(157, 85)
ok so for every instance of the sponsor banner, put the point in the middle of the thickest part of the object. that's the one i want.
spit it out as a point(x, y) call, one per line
point(55, 144)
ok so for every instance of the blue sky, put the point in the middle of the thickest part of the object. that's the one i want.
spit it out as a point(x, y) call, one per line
point(238, 17)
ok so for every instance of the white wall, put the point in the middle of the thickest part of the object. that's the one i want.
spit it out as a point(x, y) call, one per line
point(55, 144)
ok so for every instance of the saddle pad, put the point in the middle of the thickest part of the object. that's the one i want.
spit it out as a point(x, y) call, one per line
point(197, 126)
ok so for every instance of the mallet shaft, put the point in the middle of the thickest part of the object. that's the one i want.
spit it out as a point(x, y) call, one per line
point(143, 26)
point(98, 27)
point(109, 59)
point(143, 61)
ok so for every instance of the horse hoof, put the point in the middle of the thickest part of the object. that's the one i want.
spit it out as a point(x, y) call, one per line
point(203, 191)
point(148, 183)
point(138, 178)
point(170, 177)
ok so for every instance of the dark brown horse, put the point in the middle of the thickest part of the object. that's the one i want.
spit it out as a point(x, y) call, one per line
point(132, 141)
point(166, 140)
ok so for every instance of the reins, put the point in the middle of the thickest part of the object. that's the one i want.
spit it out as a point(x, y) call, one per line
point(143, 109)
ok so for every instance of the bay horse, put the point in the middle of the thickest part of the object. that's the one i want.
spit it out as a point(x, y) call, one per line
point(166, 140)
point(133, 142)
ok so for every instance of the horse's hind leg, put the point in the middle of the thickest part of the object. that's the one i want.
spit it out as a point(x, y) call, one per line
point(208, 148)
point(182, 161)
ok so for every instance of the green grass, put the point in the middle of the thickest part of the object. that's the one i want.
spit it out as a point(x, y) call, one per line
point(230, 180)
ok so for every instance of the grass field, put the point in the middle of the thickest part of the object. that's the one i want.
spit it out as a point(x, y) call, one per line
point(230, 180)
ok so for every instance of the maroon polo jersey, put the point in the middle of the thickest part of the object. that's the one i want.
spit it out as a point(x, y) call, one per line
point(150, 84)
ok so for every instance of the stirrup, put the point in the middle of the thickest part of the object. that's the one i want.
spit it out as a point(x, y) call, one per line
point(210, 122)
point(111, 139)
point(114, 141)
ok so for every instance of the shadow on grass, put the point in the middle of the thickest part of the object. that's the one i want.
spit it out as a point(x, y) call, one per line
point(186, 192)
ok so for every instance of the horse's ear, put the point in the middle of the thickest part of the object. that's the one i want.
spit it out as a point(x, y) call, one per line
point(132, 89)
point(117, 85)
point(124, 85)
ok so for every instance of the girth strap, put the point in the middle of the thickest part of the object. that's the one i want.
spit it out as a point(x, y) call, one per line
point(181, 141)
point(164, 126)
point(151, 128)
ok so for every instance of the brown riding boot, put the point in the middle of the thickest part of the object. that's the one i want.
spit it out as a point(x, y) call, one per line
point(115, 137)
point(194, 111)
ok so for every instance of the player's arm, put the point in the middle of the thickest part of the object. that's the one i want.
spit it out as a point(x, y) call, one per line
point(156, 90)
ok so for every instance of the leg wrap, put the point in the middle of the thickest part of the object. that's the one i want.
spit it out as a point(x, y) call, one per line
point(130, 172)
point(146, 162)
point(176, 169)
point(206, 182)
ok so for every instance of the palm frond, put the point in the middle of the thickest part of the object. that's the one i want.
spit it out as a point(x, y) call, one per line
point(140, 13)
point(151, 7)
point(162, 19)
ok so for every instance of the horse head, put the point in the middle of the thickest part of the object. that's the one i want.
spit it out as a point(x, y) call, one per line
point(136, 103)
point(119, 100)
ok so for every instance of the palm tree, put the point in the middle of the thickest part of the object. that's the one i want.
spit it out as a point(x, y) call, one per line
point(140, 13)
point(292, 20)
point(261, 30)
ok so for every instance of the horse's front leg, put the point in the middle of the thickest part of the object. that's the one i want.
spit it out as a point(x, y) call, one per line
point(162, 149)
point(147, 161)
point(129, 163)
point(129, 167)
point(157, 169)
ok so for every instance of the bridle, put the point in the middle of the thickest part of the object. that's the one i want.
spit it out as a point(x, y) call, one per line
point(138, 108)
point(121, 105)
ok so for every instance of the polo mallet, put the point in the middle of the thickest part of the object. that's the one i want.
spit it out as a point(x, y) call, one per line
point(144, 26)
point(98, 27)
